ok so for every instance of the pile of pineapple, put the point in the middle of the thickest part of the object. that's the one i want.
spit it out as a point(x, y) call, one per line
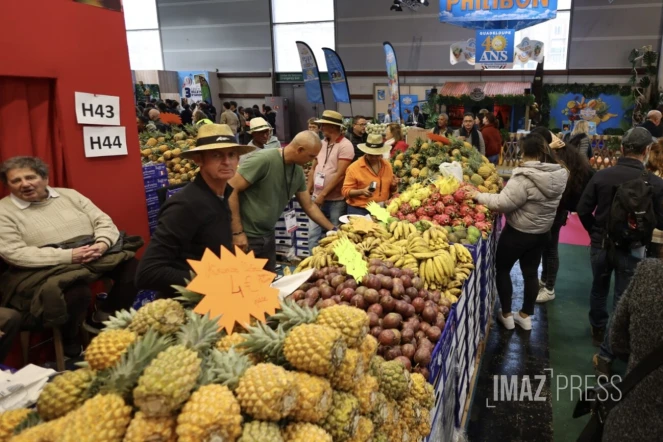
point(156, 147)
point(422, 161)
point(166, 374)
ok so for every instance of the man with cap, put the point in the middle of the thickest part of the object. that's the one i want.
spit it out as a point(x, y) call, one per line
point(196, 218)
point(261, 137)
point(327, 173)
point(264, 185)
point(594, 211)
point(370, 178)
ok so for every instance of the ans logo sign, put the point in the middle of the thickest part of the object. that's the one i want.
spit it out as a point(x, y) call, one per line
point(496, 48)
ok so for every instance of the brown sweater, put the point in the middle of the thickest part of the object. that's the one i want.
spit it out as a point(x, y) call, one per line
point(66, 214)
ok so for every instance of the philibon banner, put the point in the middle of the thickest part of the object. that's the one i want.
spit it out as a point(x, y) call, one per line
point(337, 78)
point(394, 86)
point(194, 86)
point(311, 75)
point(494, 49)
point(497, 14)
point(605, 111)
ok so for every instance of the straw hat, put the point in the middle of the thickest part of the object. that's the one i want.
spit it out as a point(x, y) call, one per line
point(331, 117)
point(216, 136)
point(374, 145)
point(258, 125)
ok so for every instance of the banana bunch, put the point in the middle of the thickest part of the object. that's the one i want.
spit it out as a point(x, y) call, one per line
point(436, 238)
point(437, 271)
point(401, 229)
point(319, 259)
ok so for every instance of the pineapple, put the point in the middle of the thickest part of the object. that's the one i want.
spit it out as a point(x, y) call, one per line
point(48, 432)
point(346, 375)
point(350, 321)
point(368, 348)
point(164, 315)
point(258, 431)
point(232, 341)
point(380, 411)
point(301, 432)
point(64, 394)
point(211, 414)
point(314, 348)
point(224, 368)
point(292, 315)
point(106, 349)
point(364, 430)
point(167, 382)
point(380, 436)
point(422, 391)
point(342, 420)
point(10, 420)
point(366, 391)
point(266, 392)
point(410, 412)
point(104, 418)
point(121, 320)
point(157, 429)
point(314, 398)
point(394, 379)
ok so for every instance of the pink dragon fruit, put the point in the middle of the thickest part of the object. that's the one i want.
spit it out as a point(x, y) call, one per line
point(406, 208)
point(435, 197)
point(448, 200)
point(420, 212)
point(442, 219)
point(465, 210)
point(480, 216)
point(483, 226)
point(400, 216)
point(426, 218)
point(468, 220)
point(411, 217)
point(459, 196)
point(457, 222)
point(450, 211)
point(480, 208)
point(439, 207)
point(430, 210)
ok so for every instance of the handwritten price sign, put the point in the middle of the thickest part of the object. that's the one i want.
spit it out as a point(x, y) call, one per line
point(379, 212)
point(234, 286)
point(352, 260)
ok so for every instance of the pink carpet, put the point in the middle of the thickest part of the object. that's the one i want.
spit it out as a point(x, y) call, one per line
point(572, 233)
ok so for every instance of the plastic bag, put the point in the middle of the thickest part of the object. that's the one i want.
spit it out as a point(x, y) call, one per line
point(452, 169)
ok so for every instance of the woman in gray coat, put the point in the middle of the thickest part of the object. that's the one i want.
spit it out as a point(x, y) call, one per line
point(529, 201)
point(635, 332)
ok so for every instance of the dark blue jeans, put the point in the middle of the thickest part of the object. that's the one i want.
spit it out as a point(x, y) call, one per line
point(352, 210)
point(602, 269)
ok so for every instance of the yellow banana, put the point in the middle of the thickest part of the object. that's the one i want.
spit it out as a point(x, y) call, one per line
point(422, 270)
point(423, 255)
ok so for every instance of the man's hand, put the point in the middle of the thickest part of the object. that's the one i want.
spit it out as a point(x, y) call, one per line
point(241, 241)
point(320, 200)
point(83, 254)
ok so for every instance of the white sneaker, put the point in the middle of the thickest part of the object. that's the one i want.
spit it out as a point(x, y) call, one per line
point(545, 295)
point(541, 284)
point(506, 322)
point(524, 323)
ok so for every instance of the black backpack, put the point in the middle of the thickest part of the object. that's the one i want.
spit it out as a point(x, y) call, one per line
point(632, 219)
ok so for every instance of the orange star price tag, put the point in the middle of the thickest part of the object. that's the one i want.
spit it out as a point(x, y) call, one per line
point(351, 259)
point(234, 286)
point(379, 212)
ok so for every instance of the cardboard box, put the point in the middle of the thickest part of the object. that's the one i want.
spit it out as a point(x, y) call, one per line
point(302, 244)
point(285, 242)
point(302, 225)
point(154, 170)
point(282, 234)
point(302, 253)
point(280, 225)
point(285, 250)
point(302, 234)
point(154, 185)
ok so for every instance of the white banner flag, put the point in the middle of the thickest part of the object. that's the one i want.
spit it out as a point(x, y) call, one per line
point(462, 51)
point(529, 50)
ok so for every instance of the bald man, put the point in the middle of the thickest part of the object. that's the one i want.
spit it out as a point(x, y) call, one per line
point(264, 184)
point(653, 124)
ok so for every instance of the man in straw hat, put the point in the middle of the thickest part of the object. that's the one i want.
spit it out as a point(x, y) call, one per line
point(264, 185)
point(328, 172)
point(196, 218)
point(262, 138)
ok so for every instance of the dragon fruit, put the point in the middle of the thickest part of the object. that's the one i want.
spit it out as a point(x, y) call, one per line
point(406, 208)
point(483, 226)
point(450, 211)
point(442, 219)
point(480, 208)
point(411, 217)
point(400, 216)
point(430, 210)
point(435, 197)
point(448, 200)
point(465, 210)
point(420, 212)
point(459, 195)
point(468, 220)
point(458, 222)
point(426, 218)
point(439, 207)
point(480, 216)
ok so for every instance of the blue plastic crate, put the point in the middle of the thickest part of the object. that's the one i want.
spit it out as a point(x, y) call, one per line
point(442, 348)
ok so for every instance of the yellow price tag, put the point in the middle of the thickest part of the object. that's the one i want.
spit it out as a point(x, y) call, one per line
point(379, 212)
point(354, 263)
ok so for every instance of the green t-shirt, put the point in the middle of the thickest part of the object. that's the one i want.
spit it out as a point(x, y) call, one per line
point(263, 202)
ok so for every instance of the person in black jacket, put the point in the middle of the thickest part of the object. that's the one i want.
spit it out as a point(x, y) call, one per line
point(186, 115)
point(580, 172)
point(653, 123)
point(593, 210)
point(357, 134)
point(416, 118)
point(196, 218)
